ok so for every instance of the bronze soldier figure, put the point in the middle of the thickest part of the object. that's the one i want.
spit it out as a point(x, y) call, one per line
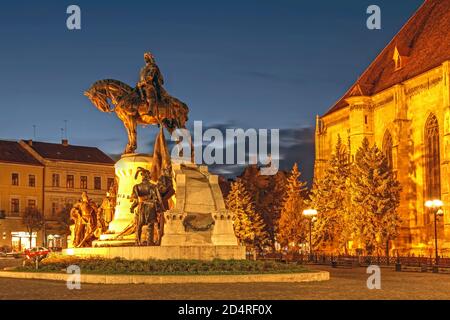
point(78, 232)
point(150, 86)
point(85, 213)
point(146, 200)
point(106, 211)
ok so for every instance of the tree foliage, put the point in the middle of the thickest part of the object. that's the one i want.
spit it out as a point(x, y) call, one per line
point(33, 220)
point(249, 226)
point(375, 198)
point(293, 225)
point(267, 193)
point(64, 220)
point(330, 197)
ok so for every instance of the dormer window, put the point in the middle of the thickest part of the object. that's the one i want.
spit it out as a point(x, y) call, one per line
point(399, 59)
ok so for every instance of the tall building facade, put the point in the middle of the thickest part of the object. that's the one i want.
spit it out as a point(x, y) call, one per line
point(49, 177)
point(21, 187)
point(402, 104)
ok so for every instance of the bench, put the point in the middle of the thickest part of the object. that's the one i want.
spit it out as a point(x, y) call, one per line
point(344, 263)
point(441, 268)
point(414, 268)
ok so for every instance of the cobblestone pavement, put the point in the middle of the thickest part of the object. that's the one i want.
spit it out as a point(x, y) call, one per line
point(344, 284)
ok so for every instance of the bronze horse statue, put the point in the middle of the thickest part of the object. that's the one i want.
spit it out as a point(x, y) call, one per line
point(127, 103)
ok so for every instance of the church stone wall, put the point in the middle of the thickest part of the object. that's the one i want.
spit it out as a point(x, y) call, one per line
point(402, 110)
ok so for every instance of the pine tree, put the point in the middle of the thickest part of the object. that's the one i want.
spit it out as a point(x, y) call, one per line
point(330, 197)
point(248, 224)
point(267, 194)
point(277, 193)
point(375, 198)
point(293, 225)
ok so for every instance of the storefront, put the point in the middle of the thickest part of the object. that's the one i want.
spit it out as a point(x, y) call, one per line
point(21, 240)
point(55, 242)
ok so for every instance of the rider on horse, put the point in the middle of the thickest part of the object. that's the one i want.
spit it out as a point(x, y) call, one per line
point(150, 86)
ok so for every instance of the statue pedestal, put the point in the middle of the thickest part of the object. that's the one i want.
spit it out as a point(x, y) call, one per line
point(197, 225)
point(199, 216)
point(125, 169)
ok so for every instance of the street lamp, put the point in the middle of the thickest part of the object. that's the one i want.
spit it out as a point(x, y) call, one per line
point(311, 214)
point(436, 206)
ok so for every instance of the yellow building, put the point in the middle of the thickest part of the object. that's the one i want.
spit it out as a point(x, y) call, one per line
point(50, 177)
point(402, 103)
point(20, 188)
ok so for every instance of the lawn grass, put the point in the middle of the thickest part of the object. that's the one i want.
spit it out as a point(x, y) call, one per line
point(118, 266)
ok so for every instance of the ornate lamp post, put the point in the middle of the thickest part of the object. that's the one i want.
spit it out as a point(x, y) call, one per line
point(436, 206)
point(311, 214)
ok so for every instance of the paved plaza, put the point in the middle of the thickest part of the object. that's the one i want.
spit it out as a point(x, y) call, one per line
point(344, 284)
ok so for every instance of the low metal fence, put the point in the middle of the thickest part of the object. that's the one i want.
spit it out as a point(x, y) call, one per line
point(359, 260)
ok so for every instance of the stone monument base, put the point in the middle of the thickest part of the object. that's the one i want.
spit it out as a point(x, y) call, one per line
point(205, 252)
point(111, 240)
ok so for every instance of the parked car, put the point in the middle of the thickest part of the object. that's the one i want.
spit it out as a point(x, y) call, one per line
point(14, 254)
point(37, 252)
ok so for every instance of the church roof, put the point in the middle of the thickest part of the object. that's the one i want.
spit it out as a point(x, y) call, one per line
point(424, 40)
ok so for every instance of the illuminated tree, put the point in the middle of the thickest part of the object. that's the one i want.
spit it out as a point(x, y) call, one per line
point(330, 197)
point(33, 220)
point(293, 225)
point(63, 220)
point(249, 226)
point(267, 194)
point(375, 198)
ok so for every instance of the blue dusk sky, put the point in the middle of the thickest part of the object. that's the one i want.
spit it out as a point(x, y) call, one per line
point(236, 63)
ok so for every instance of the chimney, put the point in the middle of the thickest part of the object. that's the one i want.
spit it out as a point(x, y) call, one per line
point(65, 142)
point(30, 142)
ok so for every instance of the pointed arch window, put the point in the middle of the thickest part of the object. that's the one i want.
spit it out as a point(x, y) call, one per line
point(388, 144)
point(432, 159)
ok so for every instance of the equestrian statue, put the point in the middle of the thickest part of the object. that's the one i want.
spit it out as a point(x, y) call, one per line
point(146, 104)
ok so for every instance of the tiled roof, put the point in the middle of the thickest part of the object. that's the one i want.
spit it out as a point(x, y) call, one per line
point(12, 152)
point(69, 152)
point(424, 39)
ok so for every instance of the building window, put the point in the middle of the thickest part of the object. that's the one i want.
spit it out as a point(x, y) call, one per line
point(21, 240)
point(97, 183)
point(432, 160)
point(15, 206)
point(32, 180)
point(54, 208)
point(31, 204)
point(15, 179)
point(55, 180)
point(70, 182)
point(84, 182)
point(110, 183)
point(387, 149)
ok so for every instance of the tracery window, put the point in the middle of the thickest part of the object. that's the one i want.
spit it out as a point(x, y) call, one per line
point(387, 148)
point(432, 159)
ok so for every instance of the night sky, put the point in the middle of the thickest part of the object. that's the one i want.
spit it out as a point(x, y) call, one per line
point(236, 63)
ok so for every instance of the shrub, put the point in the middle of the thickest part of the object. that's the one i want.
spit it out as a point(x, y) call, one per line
point(97, 265)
